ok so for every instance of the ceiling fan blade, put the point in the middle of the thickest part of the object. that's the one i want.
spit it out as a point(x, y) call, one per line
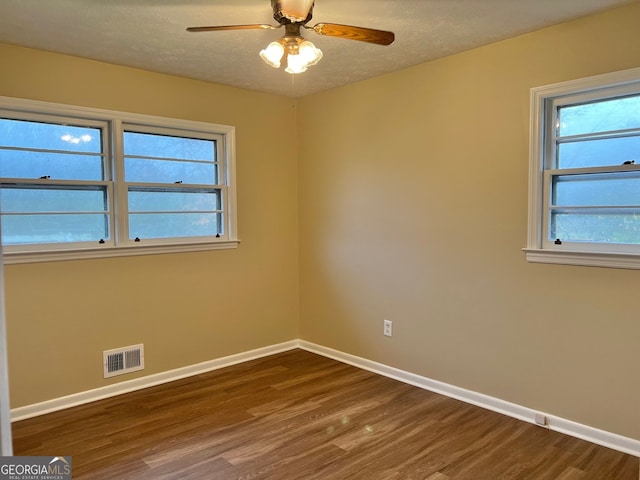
point(232, 27)
point(370, 35)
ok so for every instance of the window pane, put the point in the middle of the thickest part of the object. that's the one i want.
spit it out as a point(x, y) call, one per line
point(165, 171)
point(598, 153)
point(166, 225)
point(164, 146)
point(26, 164)
point(621, 189)
point(24, 134)
point(163, 201)
point(619, 228)
point(48, 228)
point(31, 199)
point(607, 115)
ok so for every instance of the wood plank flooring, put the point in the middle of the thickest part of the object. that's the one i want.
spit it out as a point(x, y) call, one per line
point(297, 415)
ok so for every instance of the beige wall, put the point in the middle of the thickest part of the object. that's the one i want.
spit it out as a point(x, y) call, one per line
point(413, 207)
point(185, 308)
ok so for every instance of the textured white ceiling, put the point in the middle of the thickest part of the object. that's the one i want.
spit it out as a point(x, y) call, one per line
point(150, 34)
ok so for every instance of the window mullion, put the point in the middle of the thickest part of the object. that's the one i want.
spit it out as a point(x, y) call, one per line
point(225, 157)
point(120, 201)
point(173, 186)
point(594, 170)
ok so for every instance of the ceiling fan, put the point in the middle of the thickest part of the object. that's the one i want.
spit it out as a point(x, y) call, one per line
point(298, 52)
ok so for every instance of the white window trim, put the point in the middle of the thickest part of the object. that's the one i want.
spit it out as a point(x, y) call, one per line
point(536, 250)
point(229, 171)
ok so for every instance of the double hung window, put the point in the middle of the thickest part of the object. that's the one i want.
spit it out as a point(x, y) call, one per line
point(585, 172)
point(87, 182)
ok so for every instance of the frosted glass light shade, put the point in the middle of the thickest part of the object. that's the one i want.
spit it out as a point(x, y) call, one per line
point(307, 55)
point(272, 54)
point(310, 53)
point(296, 64)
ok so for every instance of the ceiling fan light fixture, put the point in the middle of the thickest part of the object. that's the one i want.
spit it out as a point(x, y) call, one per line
point(299, 54)
point(272, 55)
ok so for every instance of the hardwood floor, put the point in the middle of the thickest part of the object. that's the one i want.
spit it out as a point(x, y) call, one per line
point(297, 415)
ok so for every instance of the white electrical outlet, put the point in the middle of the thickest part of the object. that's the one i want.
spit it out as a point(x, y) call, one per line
point(388, 328)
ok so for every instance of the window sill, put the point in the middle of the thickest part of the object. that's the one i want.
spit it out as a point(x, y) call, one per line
point(587, 259)
point(81, 254)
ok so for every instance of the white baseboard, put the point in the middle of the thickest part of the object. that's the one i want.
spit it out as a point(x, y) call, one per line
point(22, 413)
point(558, 424)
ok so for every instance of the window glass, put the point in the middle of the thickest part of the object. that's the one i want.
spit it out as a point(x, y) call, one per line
point(166, 171)
point(165, 146)
point(601, 116)
point(167, 225)
point(26, 164)
point(47, 136)
point(34, 229)
point(154, 158)
point(153, 200)
point(599, 153)
point(40, 199)
point(597, 227)
point(612, 189)
point(37, 149)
